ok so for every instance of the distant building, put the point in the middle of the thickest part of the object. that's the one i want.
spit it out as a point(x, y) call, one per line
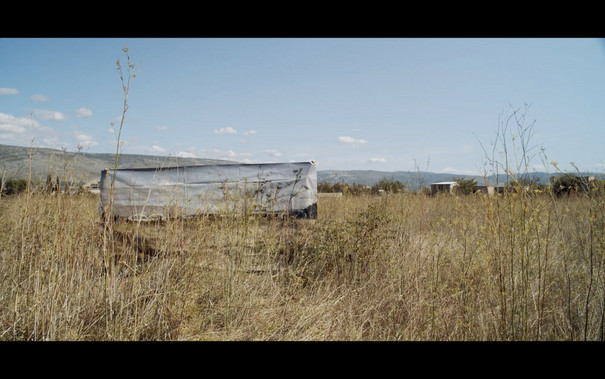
point(491, 190)
point(449, 187)
point(443, 187)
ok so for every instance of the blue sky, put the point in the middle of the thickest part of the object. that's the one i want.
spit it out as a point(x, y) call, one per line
point(348, 103)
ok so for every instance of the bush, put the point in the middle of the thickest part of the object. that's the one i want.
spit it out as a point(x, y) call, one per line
point(465, 186)
point(389, 186)
point(13, 186)
point(568, 183)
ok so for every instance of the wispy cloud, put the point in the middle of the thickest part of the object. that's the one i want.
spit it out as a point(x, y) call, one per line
point(273, 152)
point(211, 153)
point(14, 124)
point(83, 112)
point(85, 139)
point(9, 91)
point(24, 130)
point(250, 132)
point(39, 97)
point(45, 114)
point(449, 170)
point(351, 141)
point(13, 128)
point(162, 128)
point(227, 130)
point(157, 149)
point(376, 160)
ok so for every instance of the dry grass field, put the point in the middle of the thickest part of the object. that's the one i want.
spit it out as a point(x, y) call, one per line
point(403, 267)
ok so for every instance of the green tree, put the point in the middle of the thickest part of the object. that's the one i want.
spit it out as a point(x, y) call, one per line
point(465, 186)
point(340, 187)
point(389, 186)
point(324, 187)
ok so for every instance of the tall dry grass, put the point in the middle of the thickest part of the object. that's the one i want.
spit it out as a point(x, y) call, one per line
point(405, 267)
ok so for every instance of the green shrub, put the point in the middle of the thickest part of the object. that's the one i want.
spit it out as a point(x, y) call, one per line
point(13, 186)
point(465, 186)
point(389, 186)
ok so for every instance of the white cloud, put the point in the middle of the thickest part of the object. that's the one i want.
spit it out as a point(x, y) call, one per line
point(85, 139)
point(83, 112)
point(225, 153)
point(9, 91)
point(227, 130)
point(45, 114)
point(16, 124)
point(450, 170)
point(12, 128)
point(162, 128)
point(376, 160)
point(157, 149)
point(51, 141)
point(24, 130)
point(250, 132)
point(274, 152)
point(210, 153)
point(222, 154)
point(351, 141)
point(39, 97)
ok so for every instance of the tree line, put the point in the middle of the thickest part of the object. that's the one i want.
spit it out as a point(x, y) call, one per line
point(13, 186)
point(560, 185)
point(384, 185)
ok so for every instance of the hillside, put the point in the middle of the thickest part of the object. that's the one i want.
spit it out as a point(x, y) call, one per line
point(80, 167)
point(86, 167)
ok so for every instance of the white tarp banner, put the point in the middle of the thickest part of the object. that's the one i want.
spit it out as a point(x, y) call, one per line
point(209, 189)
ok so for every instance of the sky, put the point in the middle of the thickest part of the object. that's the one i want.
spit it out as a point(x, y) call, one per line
point(388, 104)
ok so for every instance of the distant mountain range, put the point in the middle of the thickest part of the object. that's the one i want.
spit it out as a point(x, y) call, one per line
point(17, 162)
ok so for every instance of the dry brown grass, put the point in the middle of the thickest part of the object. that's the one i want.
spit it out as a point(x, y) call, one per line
point(405, 267)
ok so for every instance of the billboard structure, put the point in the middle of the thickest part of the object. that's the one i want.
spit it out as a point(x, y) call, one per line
point(167, 192)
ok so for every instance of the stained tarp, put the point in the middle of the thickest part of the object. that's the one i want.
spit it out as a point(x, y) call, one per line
point(144, 193)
